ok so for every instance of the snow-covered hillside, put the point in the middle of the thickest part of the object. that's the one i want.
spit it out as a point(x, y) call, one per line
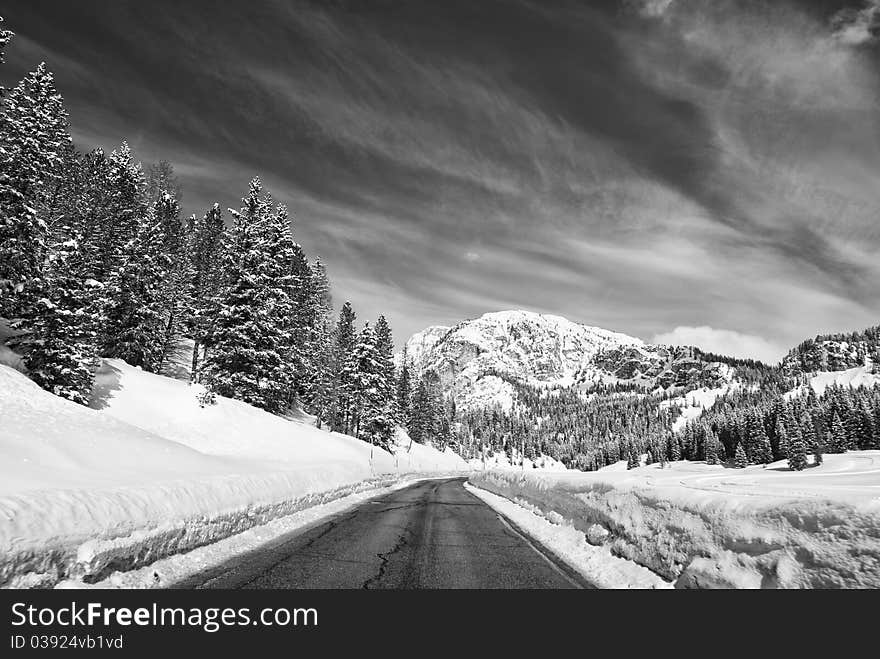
point(861, 376)
point(711, 526)
point(150, 473)
point(476, 360)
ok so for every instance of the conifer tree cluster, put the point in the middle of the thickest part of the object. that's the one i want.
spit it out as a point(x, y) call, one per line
point(97, 261)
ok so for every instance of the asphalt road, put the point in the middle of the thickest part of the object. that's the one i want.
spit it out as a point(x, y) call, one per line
point(433, 534)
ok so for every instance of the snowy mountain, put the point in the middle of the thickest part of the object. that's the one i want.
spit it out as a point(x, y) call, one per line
point(477, 360)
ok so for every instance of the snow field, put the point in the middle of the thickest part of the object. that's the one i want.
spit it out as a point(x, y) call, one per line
point(707, 526)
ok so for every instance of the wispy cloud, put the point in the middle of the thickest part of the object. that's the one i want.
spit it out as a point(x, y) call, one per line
point(679, 163)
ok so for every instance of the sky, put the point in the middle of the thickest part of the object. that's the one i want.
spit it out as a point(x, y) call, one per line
point(683, 171)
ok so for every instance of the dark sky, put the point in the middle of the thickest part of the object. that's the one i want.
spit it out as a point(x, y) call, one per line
point(698, 172)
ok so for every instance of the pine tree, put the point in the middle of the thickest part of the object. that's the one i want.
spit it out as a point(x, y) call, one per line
point(119, 212)
point(782, 439)
point(404, 390)
point(281, 296)
point(133, 328)
point(61, 347)
point(797, 452)
point(371, 406)
point(342, 386)
point(175, 300)
point(739, 457)
point(206, 258)
point(323, 300)
point(423, 422)
point(385, 357)
point(33, 140)
point(760, 442)
point(838, 443)
point(711, 449)
point(242, 346)
point(808, 429)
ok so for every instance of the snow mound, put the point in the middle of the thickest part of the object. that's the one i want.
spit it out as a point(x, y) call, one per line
point(709, 526)
point(149, 473)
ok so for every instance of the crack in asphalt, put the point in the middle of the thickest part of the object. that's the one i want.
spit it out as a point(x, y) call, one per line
point(385, 558)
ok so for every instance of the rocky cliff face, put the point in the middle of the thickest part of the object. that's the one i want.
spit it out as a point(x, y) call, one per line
point(476, 360)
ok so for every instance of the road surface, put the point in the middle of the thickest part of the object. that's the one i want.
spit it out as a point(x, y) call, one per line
point(433, 534)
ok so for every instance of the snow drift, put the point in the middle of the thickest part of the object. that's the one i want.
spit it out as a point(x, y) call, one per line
point(708, 526)
point(150, 473)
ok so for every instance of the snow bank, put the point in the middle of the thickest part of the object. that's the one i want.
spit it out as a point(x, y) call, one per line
point(596, 564)
point(707, 526)
point(175, 569)
point(150, 473)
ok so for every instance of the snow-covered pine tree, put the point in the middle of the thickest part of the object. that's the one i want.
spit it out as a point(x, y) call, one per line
point(60, 349)
point(133, 310)
point(425, 415)
point(33, 139)
point(119, 210)
point(839, 439)
point(404, 390)
point(206, 259)
point(321, 294)
point(711, 448)
point(781, 438)
point(316, 385)
point(176, 302)
point(363, 373)
point(797, 452)
point(762, 453)
point(283, 280)
point(344, 346)
point(242, 357)
point(808, 430)
point(385, 357)
point(740, 460)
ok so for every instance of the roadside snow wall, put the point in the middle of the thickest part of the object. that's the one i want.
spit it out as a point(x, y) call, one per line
point(710, 540)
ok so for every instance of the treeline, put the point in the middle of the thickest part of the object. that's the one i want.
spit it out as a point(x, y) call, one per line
point(760, 427)
point(422, 408)
point(96, 261)
point(750, 425)
point(583, 431)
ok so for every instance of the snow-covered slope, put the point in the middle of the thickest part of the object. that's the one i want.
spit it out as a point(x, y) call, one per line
point(150, 473)
point(861, 376)
point(476, 360)
point(421, 343)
